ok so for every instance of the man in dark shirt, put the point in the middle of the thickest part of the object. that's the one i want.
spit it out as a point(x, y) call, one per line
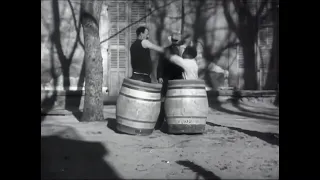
point(140, 55)
point(168, 70)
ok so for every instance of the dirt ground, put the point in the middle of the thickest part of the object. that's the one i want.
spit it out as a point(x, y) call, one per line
point(240, 142)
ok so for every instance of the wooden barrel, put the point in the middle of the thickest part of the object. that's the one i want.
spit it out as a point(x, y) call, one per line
point(186, 106)
point(138, 107)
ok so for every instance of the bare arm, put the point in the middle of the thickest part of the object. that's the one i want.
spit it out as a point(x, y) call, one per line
point(147, 44)
point(216, 68)
point(153, 74)
point(177, 60)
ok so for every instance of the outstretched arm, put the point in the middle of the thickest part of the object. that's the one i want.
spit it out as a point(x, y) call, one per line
point(177, 60)
point(218, 69)
point(147, 44)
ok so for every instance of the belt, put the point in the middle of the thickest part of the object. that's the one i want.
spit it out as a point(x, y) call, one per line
point(141, 73)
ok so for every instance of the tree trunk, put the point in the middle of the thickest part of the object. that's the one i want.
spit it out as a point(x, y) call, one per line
point(93, 102)
point(182, 16)
point(249, 74)
point(273, 71)
point(247, 36)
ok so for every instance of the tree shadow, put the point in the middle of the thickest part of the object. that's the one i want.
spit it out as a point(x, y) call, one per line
point(215, 104)
point(198, 169)
point(237, 105)
point(221, 109)
point(75, 100)
point(55, 38)
point(235, 102)
point(271, 138)
point(76, 159)
point(247, 30)
point(272, 76)
point(201, 34)
point(48, 103)
point(77, 115)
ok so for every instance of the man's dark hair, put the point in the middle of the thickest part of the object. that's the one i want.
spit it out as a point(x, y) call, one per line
point(140, 30)
point(189, 53)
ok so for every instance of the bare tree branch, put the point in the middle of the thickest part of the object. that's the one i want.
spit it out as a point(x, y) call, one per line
point(230, 21)
point(243, 8)
point(262, 6)
point(76, 25)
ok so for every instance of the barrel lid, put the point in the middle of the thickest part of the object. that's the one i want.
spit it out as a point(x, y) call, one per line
point(142, 84)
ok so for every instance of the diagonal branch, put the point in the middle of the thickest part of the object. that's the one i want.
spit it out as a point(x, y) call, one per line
point(265, 16)
point(55, 36)
point(77, 27)
point(228, 17)
point(243, 8)
point(262, 6)
point(75, 24)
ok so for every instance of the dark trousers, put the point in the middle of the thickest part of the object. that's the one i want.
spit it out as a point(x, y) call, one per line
point(165, 83)
point(161, 124)
point(164, 87)
point(141, 77)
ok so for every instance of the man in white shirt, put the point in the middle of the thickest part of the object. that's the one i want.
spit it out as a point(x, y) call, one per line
point(187, 62)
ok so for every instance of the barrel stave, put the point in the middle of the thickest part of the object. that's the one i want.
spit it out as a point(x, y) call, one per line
point(138, 107)
point(186, 106)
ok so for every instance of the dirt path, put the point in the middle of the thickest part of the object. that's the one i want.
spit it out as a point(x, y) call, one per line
point(94, 150)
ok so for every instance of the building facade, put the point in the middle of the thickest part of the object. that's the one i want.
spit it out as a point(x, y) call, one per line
point(217, 42)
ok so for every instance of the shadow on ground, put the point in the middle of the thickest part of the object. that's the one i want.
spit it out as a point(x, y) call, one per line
point(235, 102)
point(271, 138)
point(200, 171)
point(215, 104)
point(77, 114)
point(74, 159)
point(112, 124)
point(73, 105)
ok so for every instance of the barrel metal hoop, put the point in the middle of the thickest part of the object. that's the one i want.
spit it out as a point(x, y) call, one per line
point(142, 99)
point(140, 89)
point(142, 84)
point(134, 120)
point(191, 117)
point(186, 96)
point(186, 87)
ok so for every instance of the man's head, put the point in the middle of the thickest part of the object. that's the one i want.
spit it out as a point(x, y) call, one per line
point(189, 53)
point(142, 32)
point(175, 38)
point(178, 39)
